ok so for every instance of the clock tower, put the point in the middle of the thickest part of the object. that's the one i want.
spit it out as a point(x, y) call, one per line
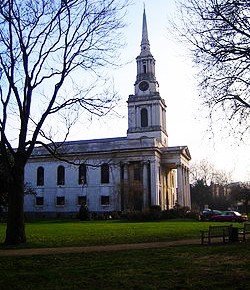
point(146, 109)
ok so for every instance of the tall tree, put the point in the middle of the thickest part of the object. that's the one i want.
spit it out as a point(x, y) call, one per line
point(200, 194)
point(209, 185)
point(46, 49)
point(219, 34)
point(3, 186)
point(202, 170)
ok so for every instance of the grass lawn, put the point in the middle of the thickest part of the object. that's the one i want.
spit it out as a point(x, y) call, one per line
point(183, 267)
point(56, 233)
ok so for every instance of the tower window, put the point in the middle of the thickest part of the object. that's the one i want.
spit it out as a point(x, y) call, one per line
point(105, 173)
point(60, 175)
point(144, 68)
point(40, 176)
point(144, 117)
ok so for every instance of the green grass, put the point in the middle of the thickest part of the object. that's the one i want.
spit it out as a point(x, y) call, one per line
point(53, 233)
point(183, 267)
point(57, 233)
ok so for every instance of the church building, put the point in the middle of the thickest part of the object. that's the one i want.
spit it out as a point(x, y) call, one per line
point(121, 174)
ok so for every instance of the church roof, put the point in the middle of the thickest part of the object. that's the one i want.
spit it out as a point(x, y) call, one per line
point(94, 146)
point(177, 150)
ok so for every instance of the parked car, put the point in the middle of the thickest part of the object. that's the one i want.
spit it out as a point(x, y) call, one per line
point(208, 214)
point(229, 216)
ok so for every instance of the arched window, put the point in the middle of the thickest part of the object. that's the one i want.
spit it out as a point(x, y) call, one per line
point(144, 117)
point(82, 177)
point(105, 173)
point(60, 175)
point(40, 176)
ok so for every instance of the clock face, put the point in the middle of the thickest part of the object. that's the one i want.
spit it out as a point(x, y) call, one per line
point(143, 86)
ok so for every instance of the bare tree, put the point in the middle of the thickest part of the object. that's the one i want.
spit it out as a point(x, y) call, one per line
point(218, 34)
point(46, 49)
point(3, 186)
point(209, 185)
point(206, 171)
point(202, 170)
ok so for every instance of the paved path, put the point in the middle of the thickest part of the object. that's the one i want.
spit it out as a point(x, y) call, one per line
point(71, 250)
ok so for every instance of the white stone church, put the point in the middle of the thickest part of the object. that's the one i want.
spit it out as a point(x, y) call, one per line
point(116, 174)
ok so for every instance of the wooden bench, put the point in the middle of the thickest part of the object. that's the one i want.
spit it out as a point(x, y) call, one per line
point(213, 232)
point(244, 231)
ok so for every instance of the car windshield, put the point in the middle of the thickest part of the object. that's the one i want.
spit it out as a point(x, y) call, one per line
point(216, 212)
point(230, 213)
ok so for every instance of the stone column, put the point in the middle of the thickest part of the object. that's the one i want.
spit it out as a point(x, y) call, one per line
point(183, 185)
point(125, 172)
point(153, 123)
point(187, 188)
point(145, 184)
point(149, 115)
point(124, 185)
point(180, 185)
point(154, 183)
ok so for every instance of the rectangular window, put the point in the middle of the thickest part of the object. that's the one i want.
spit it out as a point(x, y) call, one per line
point(40, 176)
point(105, 173)
point(82, 174)
point(60, 175)
point(60, 200)
point(104, 200)
point(82, 200)
point(39, 201)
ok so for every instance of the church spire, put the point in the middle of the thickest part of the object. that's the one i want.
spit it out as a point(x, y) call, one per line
point(145, 63)
point(145, 46)
point(146, 109)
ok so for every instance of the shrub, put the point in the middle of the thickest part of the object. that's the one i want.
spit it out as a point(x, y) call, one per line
point(151, 214)
point(83, 213)
point(179, 212)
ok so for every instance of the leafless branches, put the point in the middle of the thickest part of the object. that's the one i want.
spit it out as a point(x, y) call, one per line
point(217, 32)
point(47, 51)
point(205, 171)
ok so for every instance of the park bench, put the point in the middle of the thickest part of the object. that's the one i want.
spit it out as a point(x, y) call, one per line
point(216, 232)
point(244, 231)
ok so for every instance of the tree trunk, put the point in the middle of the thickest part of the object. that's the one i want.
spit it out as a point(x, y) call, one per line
point(15, 232)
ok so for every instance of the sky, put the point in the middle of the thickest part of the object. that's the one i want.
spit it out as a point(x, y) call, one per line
point(186, 124)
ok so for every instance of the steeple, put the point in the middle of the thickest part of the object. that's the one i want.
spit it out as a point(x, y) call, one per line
point(145, 46)
point(146, 109)
point(145, 65)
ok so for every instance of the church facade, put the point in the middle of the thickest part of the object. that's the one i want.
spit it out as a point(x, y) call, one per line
point(115, 174)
